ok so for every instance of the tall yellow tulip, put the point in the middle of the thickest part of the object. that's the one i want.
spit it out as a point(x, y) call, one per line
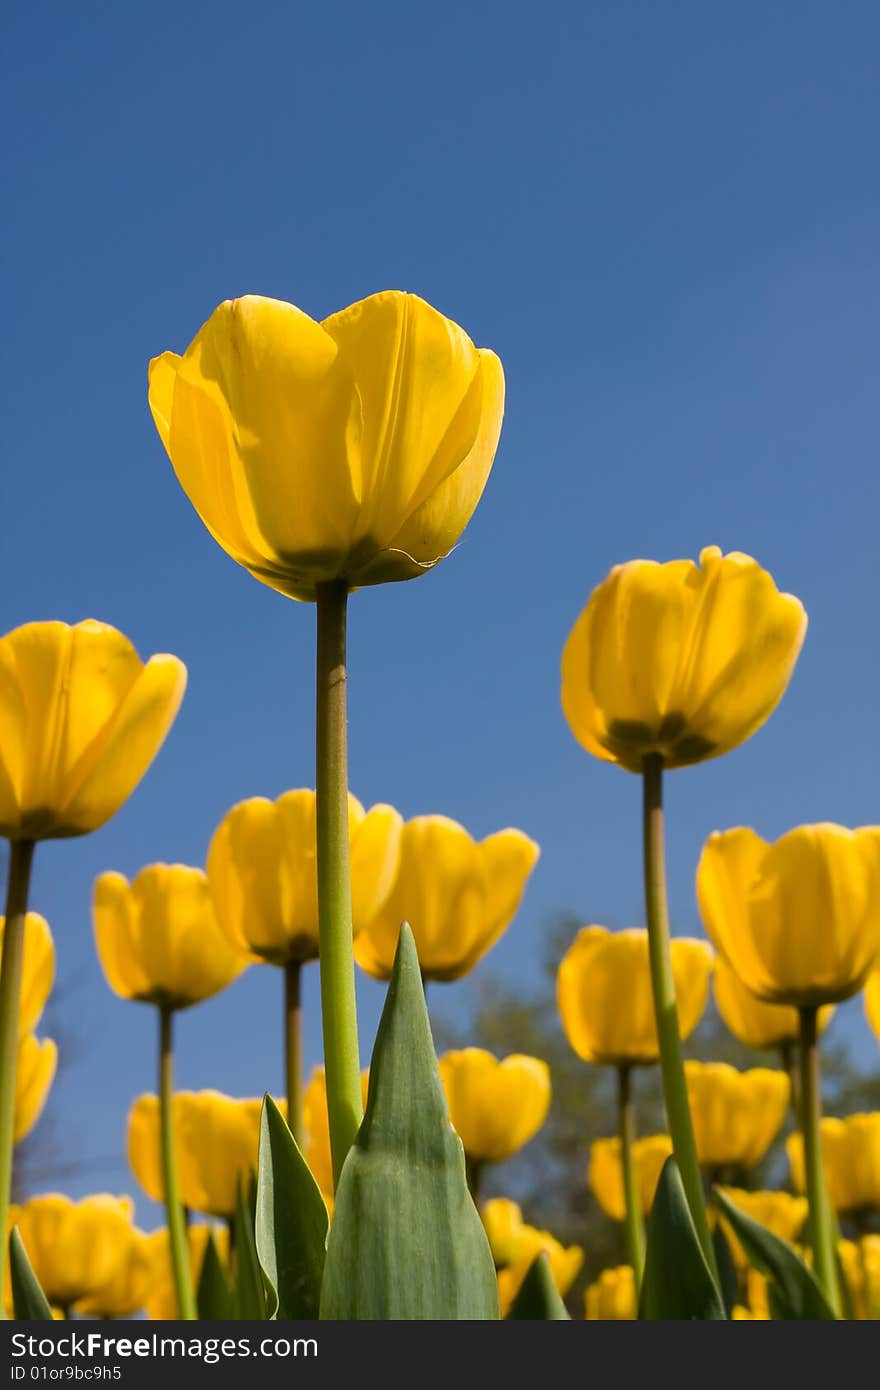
point(325, 456)
point(37, 1062)
point(76, 1248)
point(262, 867)
point(458, 894)
point(495, 1106)
point(851, 1159)
point(736, 1114)
point(750, 1019)
point(667, 665)
point(612, 1297)
point(158, 937)
point(81, 719)
point(605, 1172)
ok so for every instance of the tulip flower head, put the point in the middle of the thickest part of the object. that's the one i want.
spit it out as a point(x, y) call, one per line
point(127, 1291)
point(612, 1297)
point(603, 991)
point(736, 1114)
point(798, 920)
point(158, 938)
point(37, 1063)
point(75, 1248)
point(82, 719)
point(504, 1224)
point(458, 895)
point(37, 971)
point(216, 1139)
point(678, 660)
point(495, 1107)
point(851, 1159)
point(262, 868)
point(605, 1172)
point(354, 449)
point(755, 1023)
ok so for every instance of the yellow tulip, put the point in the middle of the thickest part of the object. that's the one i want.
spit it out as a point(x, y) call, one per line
point(861, 1268)
point(565, 1263)
point(37, 1062)
point(872, 1001)
point(798, 920)
point(781, 1213)
point(749, 1019)
point(604, 995)
point(757, 1297)
point(127, 1291)
point(161, 1299)
point(76, 1248)
point(158, 939)
point(503, 1223)
point(742, 1314)
point(458, 895)
point(216, 1139)
point(613, 1296)
point(605, 1175)
point(679, 660)
point(316, 1123)
point(495, 1107)
point(736, 1114)
point(262, 870)
point(353, 449)
point(37, 970)
point(81, 719)
point(851, 1159)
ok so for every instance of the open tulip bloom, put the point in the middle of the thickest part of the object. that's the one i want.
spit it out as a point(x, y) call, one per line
point(323, 457)
point(81, 719)
point(668, 665)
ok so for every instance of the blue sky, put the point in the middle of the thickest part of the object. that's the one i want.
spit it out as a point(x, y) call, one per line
point(665, 220)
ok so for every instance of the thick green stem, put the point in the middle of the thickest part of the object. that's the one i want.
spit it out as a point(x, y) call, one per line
point(177, 1237)
point(821, 1225)
point(634, 1225)
point(21, 853)
point(665, 1010)
point(293, 1048)
point(338, 1003)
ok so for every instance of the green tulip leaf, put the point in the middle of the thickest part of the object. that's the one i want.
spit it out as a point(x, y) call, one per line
point(794, 1292)
point(250, 1290)
point(28, 1298)
point(214, 1296)
point(537, 1298)
point(291, 1224)
point(406, 1241)
point(727, 1275)
point(677, 1283)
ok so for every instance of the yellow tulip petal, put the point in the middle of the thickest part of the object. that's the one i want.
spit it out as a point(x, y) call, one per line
point(37, 970)
point(37, 1064)
point(872, 1002)
point(113, 915)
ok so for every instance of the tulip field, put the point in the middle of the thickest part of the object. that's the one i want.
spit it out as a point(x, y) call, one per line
point(325, 457)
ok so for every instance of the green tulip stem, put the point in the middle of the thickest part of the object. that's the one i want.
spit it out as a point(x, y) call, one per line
point(293, 1048)
point(788, 1058)
point(665, 1009)
point(634, 1225)
point(336, 958)
point(821, 1225)
point(21, 853)
point(170, 1180)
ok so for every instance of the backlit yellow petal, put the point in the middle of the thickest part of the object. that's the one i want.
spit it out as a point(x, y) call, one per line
point(495, 1107)
point(37, 1064)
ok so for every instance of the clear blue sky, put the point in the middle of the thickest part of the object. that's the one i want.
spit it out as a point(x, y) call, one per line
point(665, 219)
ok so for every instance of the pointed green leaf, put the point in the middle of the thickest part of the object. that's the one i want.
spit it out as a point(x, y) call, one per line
point(726, 1269)
point(28, 1298)
point(794, 1292)
point(406, 1241)
point(214, 1296)
point(291, 1227)
point(677, 1284)
point(537, 1298)
point(250, 1292)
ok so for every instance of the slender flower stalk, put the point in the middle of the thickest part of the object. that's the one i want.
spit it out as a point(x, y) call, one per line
point(634, 1226)
point(336, 958)
point(788, 1056)
point(821, 1225)
point(293, 1049)
point(170, 1178)
point(21, 853)
point(663, 985)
